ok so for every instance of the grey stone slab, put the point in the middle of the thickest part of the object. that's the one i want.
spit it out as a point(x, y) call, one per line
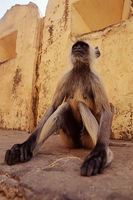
point(54, 174)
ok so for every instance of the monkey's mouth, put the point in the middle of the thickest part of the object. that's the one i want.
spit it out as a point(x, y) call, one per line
point(78, 52)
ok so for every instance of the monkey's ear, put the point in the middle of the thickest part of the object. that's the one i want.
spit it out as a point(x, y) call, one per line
point(97, 52)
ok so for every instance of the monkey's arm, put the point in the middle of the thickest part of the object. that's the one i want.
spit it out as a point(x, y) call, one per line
point(101, 155)
point(25, 151)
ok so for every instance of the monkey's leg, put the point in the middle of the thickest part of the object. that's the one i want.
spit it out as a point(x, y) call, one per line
point(62, 119)
point(101, 155)
point(90, 133)
point(24, 152)
point(71, 130)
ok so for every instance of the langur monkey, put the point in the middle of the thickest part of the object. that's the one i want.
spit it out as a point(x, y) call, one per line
point(80, 111)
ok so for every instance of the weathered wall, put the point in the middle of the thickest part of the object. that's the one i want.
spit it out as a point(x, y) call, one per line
point(115, 63)
point(17, 71)
point(116, 69)
point(54, 55)
point(41, 56)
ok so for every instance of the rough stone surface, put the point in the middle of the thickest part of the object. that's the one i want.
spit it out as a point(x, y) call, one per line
point(54, 173)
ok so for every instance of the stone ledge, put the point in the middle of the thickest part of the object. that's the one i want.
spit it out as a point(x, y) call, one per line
point(54, 174)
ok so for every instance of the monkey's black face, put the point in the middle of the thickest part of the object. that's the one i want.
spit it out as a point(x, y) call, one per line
point(80, 49)
point(82, 52)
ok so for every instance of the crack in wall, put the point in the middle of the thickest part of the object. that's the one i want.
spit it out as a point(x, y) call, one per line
point(16, 79)
point(66, 12)
point(50, 30)
point(36, 90)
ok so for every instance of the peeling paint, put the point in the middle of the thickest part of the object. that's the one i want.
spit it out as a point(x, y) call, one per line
point(50, 30)
point(16, 79)
point(66, 13)
point(1, 119)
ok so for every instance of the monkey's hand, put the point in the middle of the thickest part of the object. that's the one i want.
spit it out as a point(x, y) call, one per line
point(18, 153)
point(95, 162)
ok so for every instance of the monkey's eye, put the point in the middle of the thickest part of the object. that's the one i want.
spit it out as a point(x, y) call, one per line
point(85, 46)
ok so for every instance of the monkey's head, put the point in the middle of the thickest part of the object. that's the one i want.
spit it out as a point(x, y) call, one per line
point(82, 52)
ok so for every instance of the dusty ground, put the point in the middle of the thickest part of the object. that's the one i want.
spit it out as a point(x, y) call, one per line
point(54, 173)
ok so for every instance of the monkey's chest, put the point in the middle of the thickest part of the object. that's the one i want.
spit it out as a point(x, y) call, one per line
point(74, 100)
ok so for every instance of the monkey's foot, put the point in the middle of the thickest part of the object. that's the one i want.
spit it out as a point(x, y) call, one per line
point(95, 162)
point(18, 153)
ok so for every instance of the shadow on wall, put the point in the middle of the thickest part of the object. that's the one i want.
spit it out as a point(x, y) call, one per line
point(8, 47)
point(95, 15)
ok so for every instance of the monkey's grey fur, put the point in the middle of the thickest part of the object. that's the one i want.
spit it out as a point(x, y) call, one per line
point(80, 111)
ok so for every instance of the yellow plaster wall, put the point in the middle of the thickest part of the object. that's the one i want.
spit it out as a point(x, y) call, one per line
point(126, 9)
point(116, 69)
point(8, 47)
point(97, 14)
point(78, 24)
point(18, 74)
point(100, 13)
point(54, 57)
point(115, 63)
